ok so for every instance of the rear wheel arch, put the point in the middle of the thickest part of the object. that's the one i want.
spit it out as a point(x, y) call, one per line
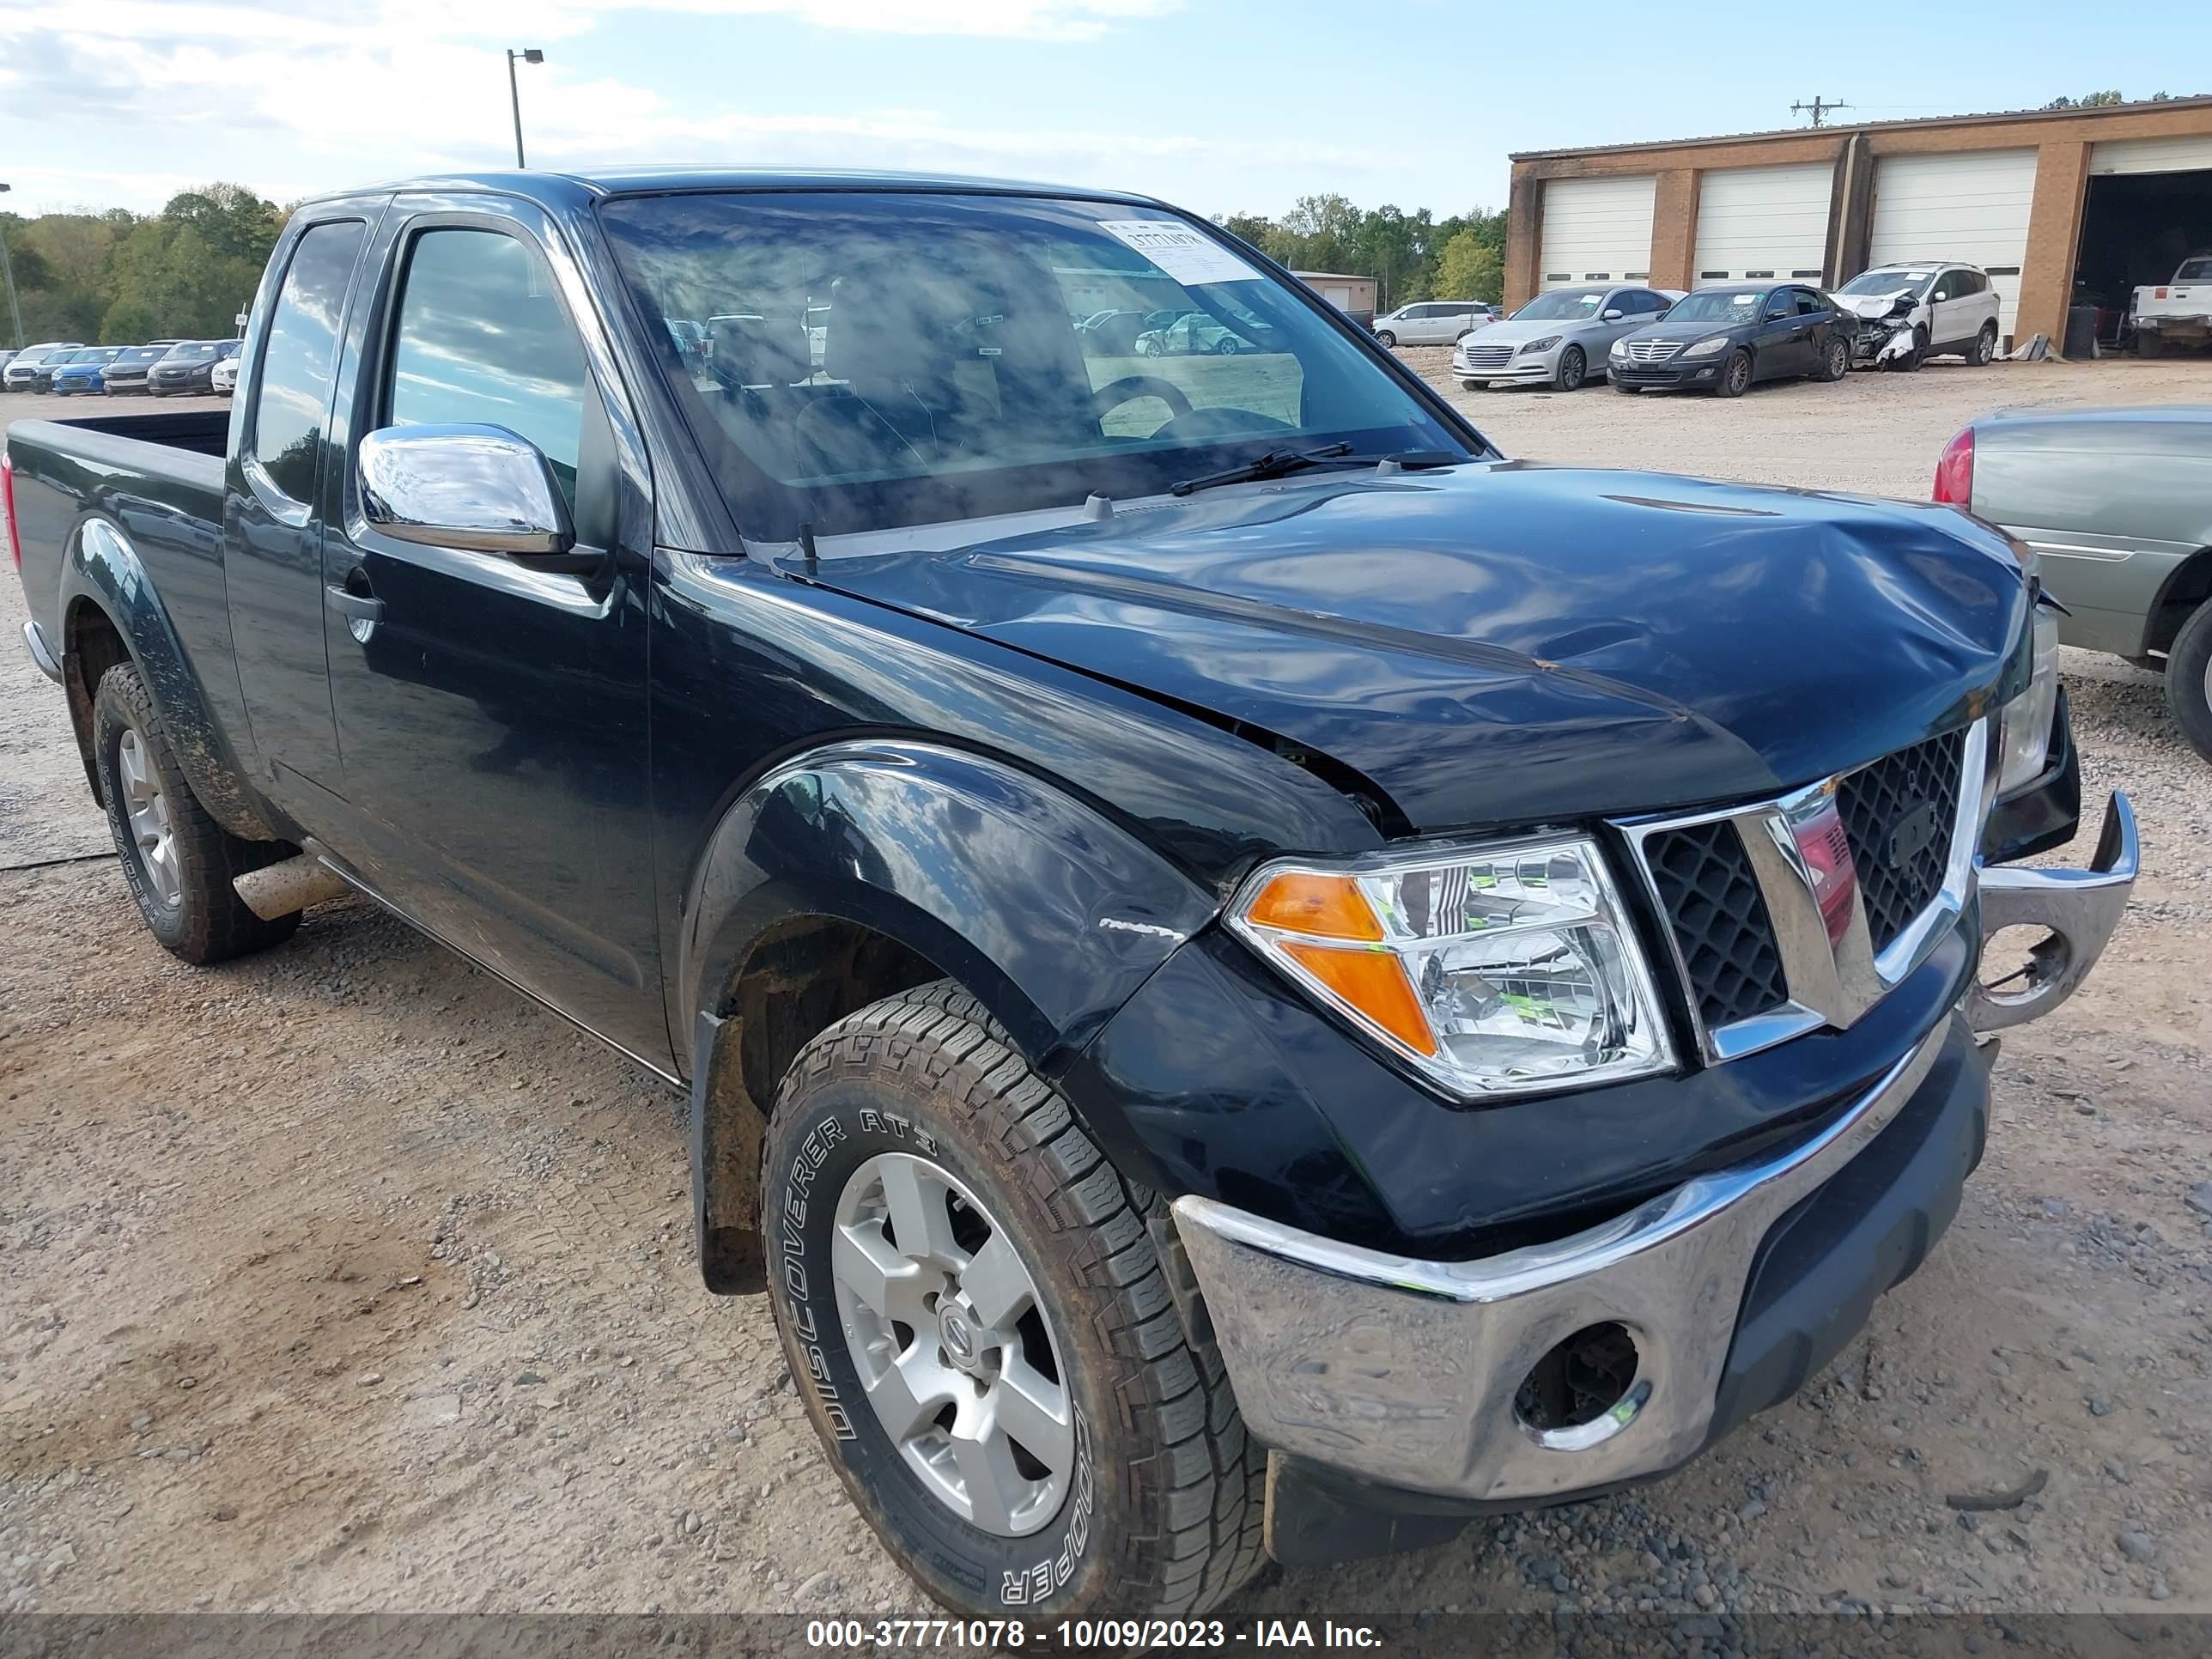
point(91, 645)
point(2187, 587)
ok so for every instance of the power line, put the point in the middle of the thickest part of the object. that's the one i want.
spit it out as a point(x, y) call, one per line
point(1817, 108)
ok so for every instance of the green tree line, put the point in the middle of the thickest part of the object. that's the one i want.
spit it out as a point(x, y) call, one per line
point(118, 277)
point(1412, 256)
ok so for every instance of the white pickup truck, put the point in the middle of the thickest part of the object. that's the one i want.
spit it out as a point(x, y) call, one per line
point(2178, 313)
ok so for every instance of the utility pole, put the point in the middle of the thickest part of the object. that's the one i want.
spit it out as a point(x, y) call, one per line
point(14, 310)
point(1816, 109)
point(528, 55)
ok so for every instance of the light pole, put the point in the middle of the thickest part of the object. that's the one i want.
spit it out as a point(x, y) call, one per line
point(528, 55)
point(14, 310)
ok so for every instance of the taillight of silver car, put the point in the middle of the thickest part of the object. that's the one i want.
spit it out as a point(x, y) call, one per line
point(8, 510)
point(1954, 471)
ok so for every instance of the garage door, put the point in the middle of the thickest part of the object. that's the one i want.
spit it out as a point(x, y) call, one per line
point(2152, 155)
point(1971, 207)
point(1596, 230)
point(1763, 222)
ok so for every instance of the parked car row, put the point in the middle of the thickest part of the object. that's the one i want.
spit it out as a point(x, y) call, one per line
point(161, 368)
point(1726, 337)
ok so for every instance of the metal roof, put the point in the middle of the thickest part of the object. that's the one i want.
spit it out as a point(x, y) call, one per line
point(649, 180)
point(1844, 129)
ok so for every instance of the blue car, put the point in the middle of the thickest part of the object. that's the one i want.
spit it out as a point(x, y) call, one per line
point(81, 371)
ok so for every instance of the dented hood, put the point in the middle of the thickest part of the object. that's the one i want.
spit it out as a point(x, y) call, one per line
point(1509, 643)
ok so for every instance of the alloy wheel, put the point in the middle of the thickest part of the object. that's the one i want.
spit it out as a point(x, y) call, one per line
point(148, 815)
point(952, 1345)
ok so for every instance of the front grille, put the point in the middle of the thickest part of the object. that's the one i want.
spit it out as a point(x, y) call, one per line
point(1652, 351)
point(1720, 923)
point(1489, 356)
point(1899, 882)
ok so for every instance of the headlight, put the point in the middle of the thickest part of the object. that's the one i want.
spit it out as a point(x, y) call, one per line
point(1493, 969)
point(1544, 344)
point(1619, 347)
point(1707, 347)
point(2024, 729)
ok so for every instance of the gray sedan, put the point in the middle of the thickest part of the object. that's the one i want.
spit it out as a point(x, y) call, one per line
point(1559, 339)
point(2117, 505)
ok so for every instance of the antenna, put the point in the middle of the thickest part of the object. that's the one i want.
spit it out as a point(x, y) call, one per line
point(1819, 107)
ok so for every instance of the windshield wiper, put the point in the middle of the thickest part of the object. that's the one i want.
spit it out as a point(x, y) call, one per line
point(1278, 462)
point(1275, 464)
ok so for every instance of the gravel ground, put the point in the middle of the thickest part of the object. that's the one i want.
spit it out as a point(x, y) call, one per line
point(343, 1280)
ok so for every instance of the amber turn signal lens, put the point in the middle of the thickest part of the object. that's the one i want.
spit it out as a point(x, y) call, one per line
point(1374, 983)
point(1326, 907)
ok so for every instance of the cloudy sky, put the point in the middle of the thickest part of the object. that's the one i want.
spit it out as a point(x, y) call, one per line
point(1219, 104)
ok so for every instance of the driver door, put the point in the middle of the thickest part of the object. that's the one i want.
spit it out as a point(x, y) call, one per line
point(491, 709)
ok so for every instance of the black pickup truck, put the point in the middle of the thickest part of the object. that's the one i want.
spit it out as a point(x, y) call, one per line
point(1252, 974)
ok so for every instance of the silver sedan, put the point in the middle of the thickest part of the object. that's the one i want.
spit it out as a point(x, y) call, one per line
point(1559, 339)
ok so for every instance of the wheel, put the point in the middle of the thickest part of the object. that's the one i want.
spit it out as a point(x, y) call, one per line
point(178, 862)
point(1152, 347)
point(1225, 346)
point(1910, 362)
point(1617, 386)
point(2149, 343)
point(1836, 362)
point(1574, 369)
point(2189, 680)
point(1469, 386)
point(1736, 375)
point(1983, 350)
point(1384, 337)
point(979, 1313)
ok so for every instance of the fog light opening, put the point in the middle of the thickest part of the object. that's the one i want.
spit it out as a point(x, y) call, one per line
point(2018, 962)
point(1584, 1390)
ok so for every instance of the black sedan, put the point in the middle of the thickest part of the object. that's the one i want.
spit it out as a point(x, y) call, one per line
point(190, 366)
point(1722, 339)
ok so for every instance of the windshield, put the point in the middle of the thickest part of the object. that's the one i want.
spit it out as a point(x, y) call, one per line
point(1888, 282)
point(1718, 305)
point(1561, 305)
point(885, 359)
point(191, 352)
point(144, 354)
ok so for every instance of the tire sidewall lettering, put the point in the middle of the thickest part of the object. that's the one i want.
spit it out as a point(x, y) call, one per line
point(1028, 1571)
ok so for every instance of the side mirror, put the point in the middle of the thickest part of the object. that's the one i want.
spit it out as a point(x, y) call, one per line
point(1613, 314)
point(1938, 295)
point(475, 487)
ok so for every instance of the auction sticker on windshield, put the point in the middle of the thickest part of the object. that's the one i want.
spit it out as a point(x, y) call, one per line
point(1188, 256)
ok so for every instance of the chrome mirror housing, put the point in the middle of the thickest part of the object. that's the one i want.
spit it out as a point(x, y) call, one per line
point(479, 488)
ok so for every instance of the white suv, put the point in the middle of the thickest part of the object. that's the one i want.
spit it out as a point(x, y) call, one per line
point(1921, 308)
point(1433, 322)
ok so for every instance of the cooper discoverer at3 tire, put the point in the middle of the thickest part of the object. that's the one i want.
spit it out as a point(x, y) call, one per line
point(973, 1304)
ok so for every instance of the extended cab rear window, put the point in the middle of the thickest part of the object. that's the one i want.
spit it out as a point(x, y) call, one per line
point(877, 359)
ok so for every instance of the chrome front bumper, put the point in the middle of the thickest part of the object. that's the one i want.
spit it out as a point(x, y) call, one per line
point(2080, 908)
point(1405, 1372)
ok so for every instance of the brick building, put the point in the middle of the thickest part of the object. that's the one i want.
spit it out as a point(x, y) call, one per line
point(2059, 206)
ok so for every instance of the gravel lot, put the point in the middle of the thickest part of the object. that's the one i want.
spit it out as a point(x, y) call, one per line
point(343, 1280)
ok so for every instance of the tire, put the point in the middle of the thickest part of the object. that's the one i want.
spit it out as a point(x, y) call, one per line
point(1384, 336)
point(2189, 680)
point(1617, 386)
point(2149, 343)
point(1574, 369)
point(1153, 349)
point(1736, 375)
point(1836, 363)
point(1470, 386)
point(1984, 351)
point(1910, 363)
point(180, 878)
point(1225, 346)
point(1158, 1508)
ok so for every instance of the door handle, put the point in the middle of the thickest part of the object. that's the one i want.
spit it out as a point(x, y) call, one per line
point(353, 607)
